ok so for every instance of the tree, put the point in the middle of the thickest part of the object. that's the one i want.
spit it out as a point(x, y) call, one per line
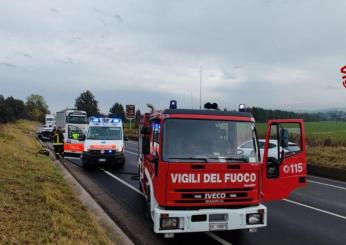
point(15, 108)
point(117, 110)
point(87, 102)
point(2, 109)
point(36, 107)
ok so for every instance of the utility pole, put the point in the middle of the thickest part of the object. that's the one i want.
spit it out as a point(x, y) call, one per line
point(200, 87)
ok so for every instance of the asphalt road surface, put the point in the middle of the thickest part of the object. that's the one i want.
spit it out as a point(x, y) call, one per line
point(312, 215)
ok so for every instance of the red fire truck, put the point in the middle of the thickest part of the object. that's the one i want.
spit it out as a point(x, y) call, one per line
point(197, 177)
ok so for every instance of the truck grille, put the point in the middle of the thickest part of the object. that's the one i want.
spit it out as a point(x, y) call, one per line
point(217, 196)
point(98, 152)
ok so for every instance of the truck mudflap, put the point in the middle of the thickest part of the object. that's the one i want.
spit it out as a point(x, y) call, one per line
point(202, 220)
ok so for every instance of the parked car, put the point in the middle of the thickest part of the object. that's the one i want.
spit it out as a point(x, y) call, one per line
point(246, 148)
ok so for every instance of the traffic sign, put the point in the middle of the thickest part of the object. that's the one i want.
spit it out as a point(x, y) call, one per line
point(130, 111)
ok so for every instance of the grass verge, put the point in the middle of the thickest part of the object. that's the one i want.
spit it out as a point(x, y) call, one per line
point(36, 204)
point(334, 157)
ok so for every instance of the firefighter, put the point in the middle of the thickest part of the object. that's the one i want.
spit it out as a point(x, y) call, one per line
point(53, 132)
point(58, 141)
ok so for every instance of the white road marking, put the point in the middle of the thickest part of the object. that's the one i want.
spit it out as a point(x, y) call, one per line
point(73, 158)
point(217, 238)
point(123, 182)
point(316, 209)
point(131, 152)
point(212, 235)
point(325, 179)
point(320, 183)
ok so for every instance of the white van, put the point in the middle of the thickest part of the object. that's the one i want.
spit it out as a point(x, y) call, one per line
point(104, 142)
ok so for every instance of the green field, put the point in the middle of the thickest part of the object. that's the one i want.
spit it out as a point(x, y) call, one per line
point(325, 133)
point(326, 142)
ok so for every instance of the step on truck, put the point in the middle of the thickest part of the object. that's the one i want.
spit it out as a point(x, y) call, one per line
point(196, 178)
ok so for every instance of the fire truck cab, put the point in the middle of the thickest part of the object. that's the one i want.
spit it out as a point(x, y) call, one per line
point(196, 178)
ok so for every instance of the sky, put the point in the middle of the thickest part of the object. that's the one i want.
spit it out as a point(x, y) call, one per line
point(282, 54)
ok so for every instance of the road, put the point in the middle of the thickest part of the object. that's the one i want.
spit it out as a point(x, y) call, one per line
point(315, 214)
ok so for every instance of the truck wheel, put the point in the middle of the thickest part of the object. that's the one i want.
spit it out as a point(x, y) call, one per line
point(85, 165)
point(139, 180)
point(122, 163)
point(148, 211)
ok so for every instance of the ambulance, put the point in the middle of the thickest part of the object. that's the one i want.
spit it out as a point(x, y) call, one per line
point(104, 142)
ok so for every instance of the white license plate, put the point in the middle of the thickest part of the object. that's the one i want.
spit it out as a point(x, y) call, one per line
point(217, 226)
point(102, 160)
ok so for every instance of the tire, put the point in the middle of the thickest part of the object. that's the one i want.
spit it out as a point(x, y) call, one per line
point(85, 165)
point(139, 180)
point(147, 208)
point(122, 163)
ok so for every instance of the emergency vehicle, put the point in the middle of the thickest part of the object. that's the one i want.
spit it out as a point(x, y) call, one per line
point(195, 179)
point(46, 130)
point(104, 142)
point(49, 120)
point(74, 124)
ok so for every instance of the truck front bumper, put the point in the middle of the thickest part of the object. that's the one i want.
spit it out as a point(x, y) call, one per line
point(203, 220)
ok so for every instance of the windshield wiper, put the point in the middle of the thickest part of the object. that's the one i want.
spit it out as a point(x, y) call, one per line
point(204, 159)
point(241, 159)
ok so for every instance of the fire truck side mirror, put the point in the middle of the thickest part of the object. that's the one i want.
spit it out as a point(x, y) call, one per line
point(146, 145)
point(155, 161)
point(82, 137)
point(284, 138)
point(146, 130)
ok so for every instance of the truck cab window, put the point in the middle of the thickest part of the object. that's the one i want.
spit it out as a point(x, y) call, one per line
point(74, 132)
point(208, 140)
point(294, 139)
point(156, 127)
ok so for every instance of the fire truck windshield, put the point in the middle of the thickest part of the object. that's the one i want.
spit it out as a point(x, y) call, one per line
point(76, 119)
point(208, 141)
point(104, 133)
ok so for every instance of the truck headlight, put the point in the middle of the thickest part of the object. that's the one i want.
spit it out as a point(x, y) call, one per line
point(86, 149)
point(169, 223)
point(254, 219)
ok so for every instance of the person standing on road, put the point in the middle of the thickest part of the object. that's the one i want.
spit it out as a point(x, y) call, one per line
point(58, 141)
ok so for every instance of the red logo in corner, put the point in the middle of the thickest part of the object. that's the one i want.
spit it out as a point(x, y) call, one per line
point(343, 71)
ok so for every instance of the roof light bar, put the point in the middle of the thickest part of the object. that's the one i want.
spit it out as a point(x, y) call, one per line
point(242, 108)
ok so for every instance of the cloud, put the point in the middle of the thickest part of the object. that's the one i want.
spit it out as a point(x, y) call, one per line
point(132, 52)
point(8, 65)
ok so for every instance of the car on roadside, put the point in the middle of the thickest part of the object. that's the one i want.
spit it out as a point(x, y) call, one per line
point(246, 148)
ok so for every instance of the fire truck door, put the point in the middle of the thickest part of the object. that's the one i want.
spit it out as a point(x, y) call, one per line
point(284, 159)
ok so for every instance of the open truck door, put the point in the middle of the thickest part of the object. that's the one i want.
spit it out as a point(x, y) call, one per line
point(284, 159)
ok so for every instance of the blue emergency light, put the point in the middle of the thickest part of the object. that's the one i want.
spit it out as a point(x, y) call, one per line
point(115, 120)
point(96, 120)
